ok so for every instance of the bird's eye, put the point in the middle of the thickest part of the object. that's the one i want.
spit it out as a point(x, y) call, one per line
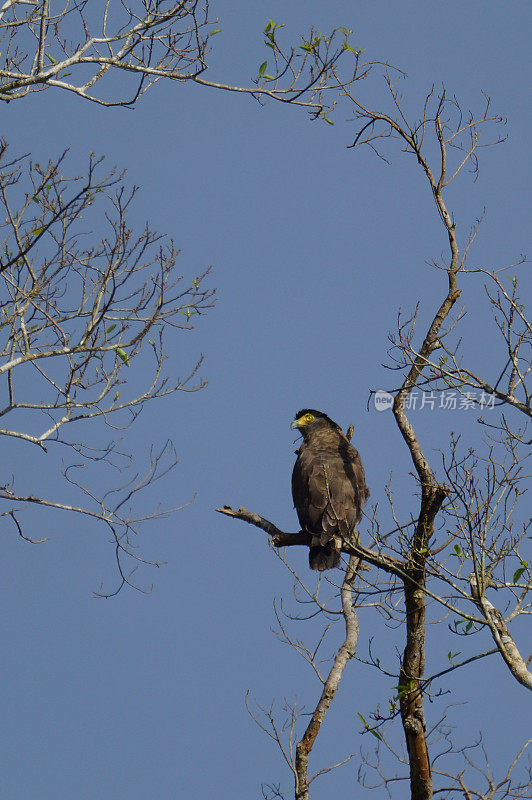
point(309, 417)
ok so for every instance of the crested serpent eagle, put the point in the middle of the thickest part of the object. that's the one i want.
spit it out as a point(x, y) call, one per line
point(328, 486)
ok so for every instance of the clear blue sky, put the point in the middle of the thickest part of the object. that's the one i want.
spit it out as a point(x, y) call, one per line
point(314, 247)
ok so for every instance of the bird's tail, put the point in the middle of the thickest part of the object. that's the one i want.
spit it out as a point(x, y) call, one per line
point(326, 557)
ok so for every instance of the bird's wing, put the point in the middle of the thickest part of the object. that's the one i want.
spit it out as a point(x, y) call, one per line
point(324, 495)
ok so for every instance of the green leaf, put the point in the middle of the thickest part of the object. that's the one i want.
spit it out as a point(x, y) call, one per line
point(215, 31)
point(458, 550)
point(328, 120)
point(451, 655)
point(519, 572)
point(366, 726)
point(50, 58)
point(117, 395)
point(405, 688)
point(37, 231)
point(469, 625)
point(262, 68)
point(123, 355)
point(111, 328)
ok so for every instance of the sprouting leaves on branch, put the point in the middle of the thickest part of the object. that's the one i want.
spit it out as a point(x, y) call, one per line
point(78, 48)
point(83, 326)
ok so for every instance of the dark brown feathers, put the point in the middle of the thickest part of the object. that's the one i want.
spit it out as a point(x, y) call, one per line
point(328, 486)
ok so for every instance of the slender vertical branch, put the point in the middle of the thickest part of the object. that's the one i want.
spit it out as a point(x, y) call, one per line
point(42, 35)
point(345, 653)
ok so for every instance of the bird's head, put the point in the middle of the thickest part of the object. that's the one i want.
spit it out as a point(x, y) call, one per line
point(308, 421)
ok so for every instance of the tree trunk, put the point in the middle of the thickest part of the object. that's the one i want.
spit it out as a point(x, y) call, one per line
point(411, 698)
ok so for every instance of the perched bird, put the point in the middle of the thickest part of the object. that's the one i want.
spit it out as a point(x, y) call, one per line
point(328, 486)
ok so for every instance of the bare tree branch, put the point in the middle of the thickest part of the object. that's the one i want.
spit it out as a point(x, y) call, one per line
point(79, 48)
point(84, 321)
point(345, 653)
